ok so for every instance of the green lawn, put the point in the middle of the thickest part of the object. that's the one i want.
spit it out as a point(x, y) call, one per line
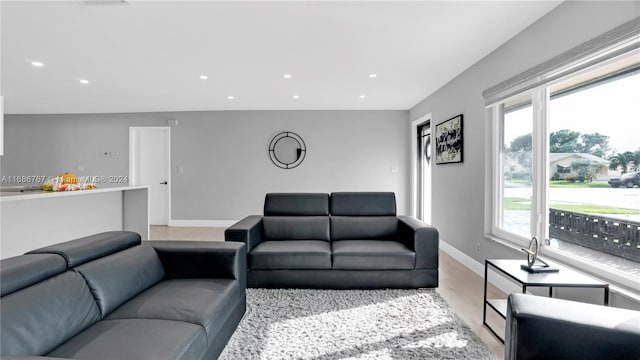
point(595, 209)
point(512, 203)
point(525, 204)
point(568, 184)
point(560, 184)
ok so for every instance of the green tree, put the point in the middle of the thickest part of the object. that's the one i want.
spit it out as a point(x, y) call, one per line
point(584, 169)
point(520, 150)
point(621, 160)
point(595, 144)
point(521, 144)
point(564, 141)
point(569, 141)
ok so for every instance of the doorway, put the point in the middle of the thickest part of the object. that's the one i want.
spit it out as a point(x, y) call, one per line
point(150, 164)
point(422, 164)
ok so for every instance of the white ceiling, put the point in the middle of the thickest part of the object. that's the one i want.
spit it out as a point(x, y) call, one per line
point(148, 55)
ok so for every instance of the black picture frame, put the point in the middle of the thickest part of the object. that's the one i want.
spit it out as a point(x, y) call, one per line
point(449, 141)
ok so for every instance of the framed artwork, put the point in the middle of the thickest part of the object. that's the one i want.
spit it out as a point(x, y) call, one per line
point(449, 141)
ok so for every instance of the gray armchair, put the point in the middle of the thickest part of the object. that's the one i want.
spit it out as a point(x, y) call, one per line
point(548, 328)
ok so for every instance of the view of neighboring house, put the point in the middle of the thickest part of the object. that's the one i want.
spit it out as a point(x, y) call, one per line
point(560, 165)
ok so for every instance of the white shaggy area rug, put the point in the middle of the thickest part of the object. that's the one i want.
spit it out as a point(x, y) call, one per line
point(351, 324)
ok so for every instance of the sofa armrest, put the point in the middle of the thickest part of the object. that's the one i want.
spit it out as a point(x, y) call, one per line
point(247, 230)
point(202, 259)
point(540, 328)
point(421, 238)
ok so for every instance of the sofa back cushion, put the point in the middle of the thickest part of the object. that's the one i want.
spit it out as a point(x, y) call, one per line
point(363, 204)
point(22, 271)
point(363, 227)
point(296, 227)
point(296, 216)
point(116, 278)
point(85, 249)
point(363, 216)
point(38, 318)
point(296, 204)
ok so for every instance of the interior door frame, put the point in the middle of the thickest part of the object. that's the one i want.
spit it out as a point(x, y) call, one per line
point(415, 176)
point(133, 130)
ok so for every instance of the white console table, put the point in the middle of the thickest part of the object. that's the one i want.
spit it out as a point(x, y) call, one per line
point(33, 219)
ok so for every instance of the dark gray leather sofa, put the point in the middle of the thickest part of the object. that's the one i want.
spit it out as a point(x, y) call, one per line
point(109, 296)
point(547, 328)
point(345, 240)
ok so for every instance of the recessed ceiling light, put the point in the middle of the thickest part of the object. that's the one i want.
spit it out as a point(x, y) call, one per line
point(373, 75)
point(363, 96)
point(296, 97)
point(37, 63)
point(84, 81)
point(204, 77)
point(287, 76)
point(231, 97)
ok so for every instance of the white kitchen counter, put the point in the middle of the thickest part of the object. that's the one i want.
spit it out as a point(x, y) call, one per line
point(33, 219)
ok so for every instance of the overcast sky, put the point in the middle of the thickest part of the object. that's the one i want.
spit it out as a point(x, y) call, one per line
point(611, 109)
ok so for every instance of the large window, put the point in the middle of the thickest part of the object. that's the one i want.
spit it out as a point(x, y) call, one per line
point(594, 137)
point(565, 154)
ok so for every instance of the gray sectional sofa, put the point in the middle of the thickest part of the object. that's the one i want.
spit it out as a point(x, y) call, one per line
point(109, 296)
point(344, 240)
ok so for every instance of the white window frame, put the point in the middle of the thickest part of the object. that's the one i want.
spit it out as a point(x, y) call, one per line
point(540, 182)
point(536, 82)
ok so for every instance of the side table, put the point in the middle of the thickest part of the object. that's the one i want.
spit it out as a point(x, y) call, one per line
point(566, 277)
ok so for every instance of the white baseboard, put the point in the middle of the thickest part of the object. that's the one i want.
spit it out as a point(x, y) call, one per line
point(202, 223)
point(497, 280)
point(462, 258)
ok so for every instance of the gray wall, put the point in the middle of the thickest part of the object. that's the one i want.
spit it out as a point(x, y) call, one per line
point(458, 190)
point(227, 170)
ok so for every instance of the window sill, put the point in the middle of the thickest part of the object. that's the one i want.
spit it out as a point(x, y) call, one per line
point(621, 284)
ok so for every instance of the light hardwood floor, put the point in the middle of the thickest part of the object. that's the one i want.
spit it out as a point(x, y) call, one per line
point(459, 286)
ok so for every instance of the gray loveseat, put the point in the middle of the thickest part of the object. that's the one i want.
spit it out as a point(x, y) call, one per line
point(108, 296)
point(344, 240)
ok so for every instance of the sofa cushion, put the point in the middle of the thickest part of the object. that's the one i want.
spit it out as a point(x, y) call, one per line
point(21, 271)
point(291, 254)
point(117, 278)
point(136, 339)
point(363, 227)
point(296, 204)
point(296, 227)
point(371, 255)
point(204, 302)
point(363, 204)
point(37, 319)
point(85, 249)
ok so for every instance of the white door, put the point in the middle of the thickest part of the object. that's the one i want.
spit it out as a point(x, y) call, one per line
point(150, 164)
